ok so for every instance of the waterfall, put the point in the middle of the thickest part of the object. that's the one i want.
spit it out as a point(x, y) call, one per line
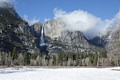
point(42, 43)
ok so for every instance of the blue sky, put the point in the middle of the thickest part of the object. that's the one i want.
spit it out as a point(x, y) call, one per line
point(41, 9)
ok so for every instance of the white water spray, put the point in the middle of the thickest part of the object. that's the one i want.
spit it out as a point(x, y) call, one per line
point(42, 43)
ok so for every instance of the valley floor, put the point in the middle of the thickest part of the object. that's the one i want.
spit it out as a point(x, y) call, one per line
point(32, 73)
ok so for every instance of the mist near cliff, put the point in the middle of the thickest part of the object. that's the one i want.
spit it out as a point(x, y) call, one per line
point(90, 25)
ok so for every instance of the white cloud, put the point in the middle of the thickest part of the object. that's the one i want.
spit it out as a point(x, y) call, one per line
point(85, 22)
point(31, 22)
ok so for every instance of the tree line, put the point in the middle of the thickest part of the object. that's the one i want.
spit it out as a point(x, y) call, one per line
point(58, 59)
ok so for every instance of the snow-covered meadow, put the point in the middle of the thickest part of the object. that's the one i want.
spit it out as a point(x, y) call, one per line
point(60, 73)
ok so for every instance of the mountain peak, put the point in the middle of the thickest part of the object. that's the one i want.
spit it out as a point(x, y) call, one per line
point(6, 5)
point(8, 12)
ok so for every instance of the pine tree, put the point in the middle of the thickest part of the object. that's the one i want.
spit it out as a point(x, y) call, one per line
point(20, 59)
point(26, 58)
point(14, 53)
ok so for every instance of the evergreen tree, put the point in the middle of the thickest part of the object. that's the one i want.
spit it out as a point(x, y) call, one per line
point(14, 53)
point(95, 59)
point(27, 58)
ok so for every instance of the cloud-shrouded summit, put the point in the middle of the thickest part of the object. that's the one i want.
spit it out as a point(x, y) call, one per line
point(79, 20)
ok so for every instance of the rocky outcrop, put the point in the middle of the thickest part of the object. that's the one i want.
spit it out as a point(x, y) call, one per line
point(113, 46)
point(60, 40)
point(15, 33)
point(53, 28)
point(99, 41)
point(8, 14)
point(36, 29)
point(75, 41)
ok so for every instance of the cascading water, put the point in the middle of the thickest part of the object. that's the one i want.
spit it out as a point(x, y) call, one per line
point(42, 43)
point(43, 47)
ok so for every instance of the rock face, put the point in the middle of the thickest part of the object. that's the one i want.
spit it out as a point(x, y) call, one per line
point(60, 40)
point(9, 14)
point(36, 29)
point(74, 41)
point(14, 32)
point(99, 41)
point(53, 28)
point(113, 46)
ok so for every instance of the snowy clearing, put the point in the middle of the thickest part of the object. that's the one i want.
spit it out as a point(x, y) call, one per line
point(60, 73)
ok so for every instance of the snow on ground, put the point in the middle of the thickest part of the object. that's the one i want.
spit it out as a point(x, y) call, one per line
point(60, 73)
